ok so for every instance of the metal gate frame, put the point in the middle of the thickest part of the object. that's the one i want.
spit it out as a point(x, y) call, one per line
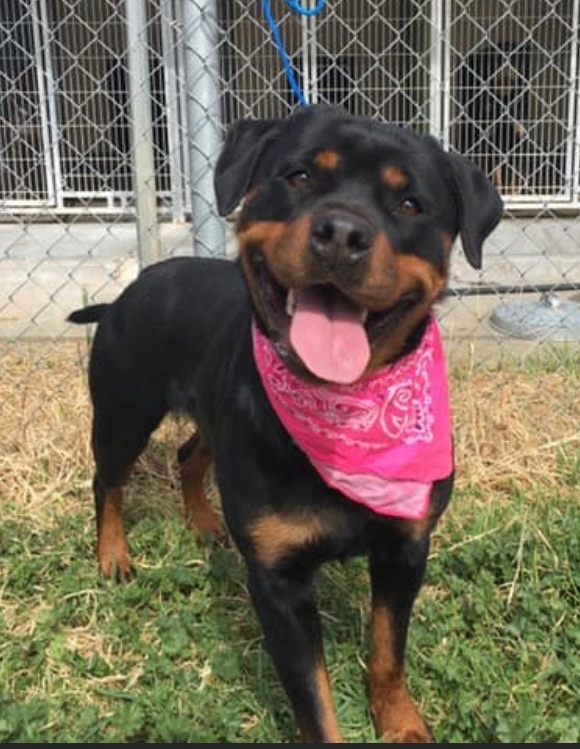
point(62, 201)
point(438, 64)
point(441, 15)
point(37, 12)
point(559, 192)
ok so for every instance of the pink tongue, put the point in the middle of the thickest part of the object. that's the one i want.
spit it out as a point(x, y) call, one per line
point(327, 334)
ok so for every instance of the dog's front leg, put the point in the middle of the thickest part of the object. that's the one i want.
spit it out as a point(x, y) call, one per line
point(396, 570)
point(285, 606)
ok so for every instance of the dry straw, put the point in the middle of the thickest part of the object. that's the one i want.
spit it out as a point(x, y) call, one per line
point(514, 429)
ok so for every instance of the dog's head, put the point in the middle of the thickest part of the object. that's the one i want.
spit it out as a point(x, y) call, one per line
point(345, 231)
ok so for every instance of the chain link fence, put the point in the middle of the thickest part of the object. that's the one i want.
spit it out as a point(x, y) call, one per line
point(112, 112)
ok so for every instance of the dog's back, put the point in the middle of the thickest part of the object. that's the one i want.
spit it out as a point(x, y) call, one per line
point(145, 337)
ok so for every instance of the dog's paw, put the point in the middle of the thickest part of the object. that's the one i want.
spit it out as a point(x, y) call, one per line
point(116, 566)
point(398, 721)
point(414, 733)
point(409, 737)
point(207, 529)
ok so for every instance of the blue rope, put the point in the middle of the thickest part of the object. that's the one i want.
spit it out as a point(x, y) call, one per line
point(296, 6)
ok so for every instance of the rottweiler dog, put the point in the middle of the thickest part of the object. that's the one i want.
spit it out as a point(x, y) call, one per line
point(311, 368)
point(494, 85)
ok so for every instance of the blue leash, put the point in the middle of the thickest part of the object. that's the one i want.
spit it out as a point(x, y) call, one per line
point(297, 7)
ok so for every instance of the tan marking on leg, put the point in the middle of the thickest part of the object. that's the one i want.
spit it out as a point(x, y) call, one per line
point(397, 720)
point(414, 529)
point(325, 701)
point(112, 549)
point(199, 514)
point(275, 536)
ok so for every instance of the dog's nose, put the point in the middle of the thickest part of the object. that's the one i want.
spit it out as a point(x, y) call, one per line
point(341, 236)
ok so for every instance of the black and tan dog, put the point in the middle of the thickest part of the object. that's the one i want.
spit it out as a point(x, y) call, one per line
point(495, 92)
point(354, 220)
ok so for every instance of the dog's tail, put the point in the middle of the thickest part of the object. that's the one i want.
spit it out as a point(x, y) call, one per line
point(93, 313)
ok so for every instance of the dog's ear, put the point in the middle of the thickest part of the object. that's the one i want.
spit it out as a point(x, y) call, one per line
point(479, 206)
point(246, 141)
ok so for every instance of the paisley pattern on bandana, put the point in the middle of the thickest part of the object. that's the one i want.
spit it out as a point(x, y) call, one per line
point(381, 441)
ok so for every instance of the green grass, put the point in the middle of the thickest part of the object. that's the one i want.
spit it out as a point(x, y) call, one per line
point(176, 655)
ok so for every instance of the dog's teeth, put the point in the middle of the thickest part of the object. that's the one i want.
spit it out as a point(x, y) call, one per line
point(291, 303)
point(364, 315)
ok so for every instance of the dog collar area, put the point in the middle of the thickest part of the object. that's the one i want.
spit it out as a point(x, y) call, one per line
point(381, 441)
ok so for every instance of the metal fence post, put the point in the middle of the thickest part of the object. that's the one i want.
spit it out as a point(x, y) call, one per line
point(436, 68)
point(142, 132)
point(200, 35)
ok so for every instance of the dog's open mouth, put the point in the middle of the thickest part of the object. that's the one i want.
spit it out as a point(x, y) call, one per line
point(330, 333)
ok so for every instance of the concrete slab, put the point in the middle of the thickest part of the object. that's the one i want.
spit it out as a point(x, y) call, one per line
point(469, 337)
point(46, 270)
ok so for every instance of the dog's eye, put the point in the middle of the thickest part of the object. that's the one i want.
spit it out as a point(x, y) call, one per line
point(409, 207)
point(300, 178)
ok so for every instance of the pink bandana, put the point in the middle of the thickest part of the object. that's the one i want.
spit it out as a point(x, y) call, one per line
point(381, 441)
